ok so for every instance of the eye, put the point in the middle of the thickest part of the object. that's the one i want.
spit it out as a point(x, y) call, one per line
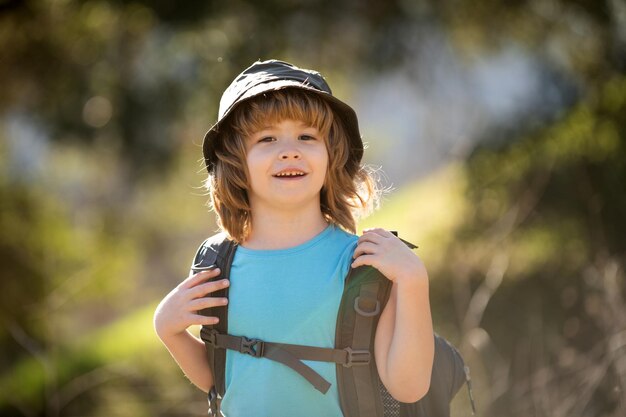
point(307, 137)
point(267, 139)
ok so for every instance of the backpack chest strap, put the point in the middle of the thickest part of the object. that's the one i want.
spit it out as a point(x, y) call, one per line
point(288, 354)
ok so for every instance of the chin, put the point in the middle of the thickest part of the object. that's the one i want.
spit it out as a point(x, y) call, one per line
point(297, 202)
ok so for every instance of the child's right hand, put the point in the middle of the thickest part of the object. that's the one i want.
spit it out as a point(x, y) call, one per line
point(180, 308)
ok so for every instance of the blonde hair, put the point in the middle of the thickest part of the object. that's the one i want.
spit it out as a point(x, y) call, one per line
point(345, 195)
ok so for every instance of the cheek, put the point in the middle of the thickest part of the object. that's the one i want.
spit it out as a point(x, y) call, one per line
point(255, 168)
point(255, 160)
point(324, 163)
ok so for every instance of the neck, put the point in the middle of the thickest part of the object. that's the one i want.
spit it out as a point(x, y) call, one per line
point(281, 230)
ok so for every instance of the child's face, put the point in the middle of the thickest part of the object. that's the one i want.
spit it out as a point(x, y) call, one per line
point(287, 162)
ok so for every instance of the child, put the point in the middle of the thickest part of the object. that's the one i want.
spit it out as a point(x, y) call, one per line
point(285, 177)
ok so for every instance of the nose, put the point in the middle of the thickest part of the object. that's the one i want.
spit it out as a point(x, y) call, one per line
point(290, 153)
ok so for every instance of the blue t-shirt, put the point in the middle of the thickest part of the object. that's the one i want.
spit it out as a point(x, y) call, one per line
point(288, 296)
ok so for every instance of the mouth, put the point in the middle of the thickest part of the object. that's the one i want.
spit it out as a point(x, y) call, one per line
point(290, 174)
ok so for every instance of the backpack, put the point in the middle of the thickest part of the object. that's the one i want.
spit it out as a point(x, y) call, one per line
point(361, 392)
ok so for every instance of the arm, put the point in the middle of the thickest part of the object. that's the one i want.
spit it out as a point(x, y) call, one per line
point(179, 310)
point(404, 341)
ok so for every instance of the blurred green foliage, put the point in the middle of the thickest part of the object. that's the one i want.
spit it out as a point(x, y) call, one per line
point(102, 108)
point(552, 204)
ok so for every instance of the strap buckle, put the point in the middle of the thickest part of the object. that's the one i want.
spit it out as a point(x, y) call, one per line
point(357, 357)
point(252, 347)
point(214, 402)
point(209, 335)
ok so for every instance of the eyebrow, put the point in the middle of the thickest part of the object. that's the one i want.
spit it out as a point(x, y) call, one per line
point(272, 127)
point(301, 123)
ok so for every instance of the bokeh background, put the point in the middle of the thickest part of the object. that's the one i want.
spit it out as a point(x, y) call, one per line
point(500, 127)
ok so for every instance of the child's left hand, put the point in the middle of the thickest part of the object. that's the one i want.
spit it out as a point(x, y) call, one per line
point(385, 252)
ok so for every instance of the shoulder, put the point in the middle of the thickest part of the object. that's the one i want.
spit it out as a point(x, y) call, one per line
point(343, 245)
point(339, 234)
point(341, 239)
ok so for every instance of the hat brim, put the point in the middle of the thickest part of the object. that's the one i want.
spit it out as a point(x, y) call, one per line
point(344, 112)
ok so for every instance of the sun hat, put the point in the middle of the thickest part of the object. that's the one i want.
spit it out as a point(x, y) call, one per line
point(266, 76)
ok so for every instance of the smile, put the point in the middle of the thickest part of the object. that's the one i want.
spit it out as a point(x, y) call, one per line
point(290, 174)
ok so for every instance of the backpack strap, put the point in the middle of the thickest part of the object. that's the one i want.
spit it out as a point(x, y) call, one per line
point(216, 251)
point(366, 292)
point(288, 354)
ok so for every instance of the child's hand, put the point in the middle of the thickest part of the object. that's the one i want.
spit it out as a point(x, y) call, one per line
point(180, 308)
point(385, 252)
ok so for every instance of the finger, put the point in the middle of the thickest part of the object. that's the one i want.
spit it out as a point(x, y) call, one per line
point(366, 248)
point(207, 302)
point(371, 237)
point(202, 290)
point(198, 319)
point(380, 231)
point(363, 260)
point(193, 280)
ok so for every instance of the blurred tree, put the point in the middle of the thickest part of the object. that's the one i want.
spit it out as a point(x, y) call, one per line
point(124, 71)
point(539, 266)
